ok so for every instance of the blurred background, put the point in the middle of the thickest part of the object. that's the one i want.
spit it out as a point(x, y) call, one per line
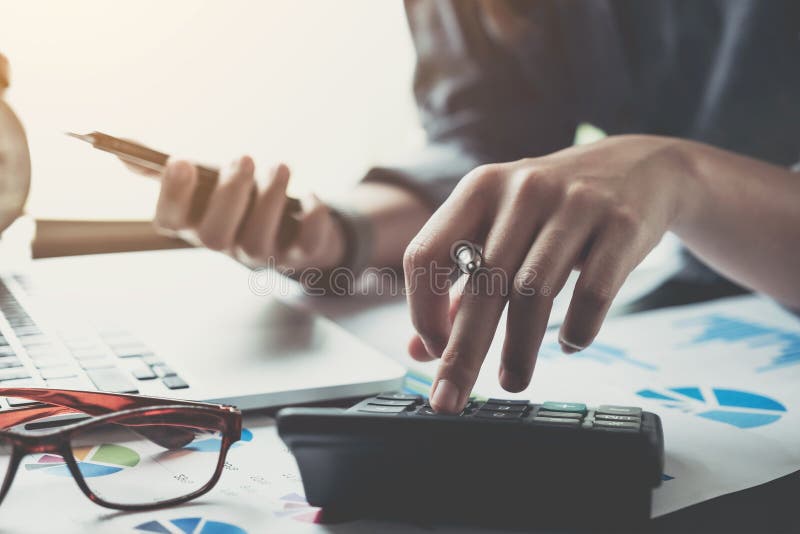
point(323, 86)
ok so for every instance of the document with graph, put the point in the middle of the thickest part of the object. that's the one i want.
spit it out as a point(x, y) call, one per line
point(723, 376)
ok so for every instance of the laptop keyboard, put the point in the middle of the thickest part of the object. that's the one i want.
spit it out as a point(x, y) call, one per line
point(107, 358)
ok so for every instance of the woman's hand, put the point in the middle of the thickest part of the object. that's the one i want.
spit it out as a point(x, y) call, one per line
point(600, 208)
point(250, 237)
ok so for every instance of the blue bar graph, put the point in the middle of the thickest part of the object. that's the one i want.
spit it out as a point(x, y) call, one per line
point(732, 330)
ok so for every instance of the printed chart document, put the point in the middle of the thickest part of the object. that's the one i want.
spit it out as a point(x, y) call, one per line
point(723, 377)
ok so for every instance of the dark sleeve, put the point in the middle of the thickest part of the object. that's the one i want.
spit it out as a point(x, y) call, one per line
point(480, 100)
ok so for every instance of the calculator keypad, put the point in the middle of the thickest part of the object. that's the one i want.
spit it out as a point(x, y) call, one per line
point(551, 413)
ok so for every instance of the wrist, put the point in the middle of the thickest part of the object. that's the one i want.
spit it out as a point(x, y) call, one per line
point(333, 248)
point(679, 162)
point(354, 238)
point(692, 180)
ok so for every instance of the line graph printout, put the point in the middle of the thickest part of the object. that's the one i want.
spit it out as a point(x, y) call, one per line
point(784, 345)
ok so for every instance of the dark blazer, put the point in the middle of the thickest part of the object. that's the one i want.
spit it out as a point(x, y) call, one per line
point(494, 88)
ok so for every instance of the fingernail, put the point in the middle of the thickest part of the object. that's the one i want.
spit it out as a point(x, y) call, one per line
point(445, 397)
point(569, 348)
point(246, 164)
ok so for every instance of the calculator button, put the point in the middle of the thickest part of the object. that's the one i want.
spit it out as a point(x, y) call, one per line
point(557, 420)
point(564, 415)
point(513, 408)
point(382, 409)
point(426, 410)
point(499, 416)
point(508, 402)
point(576, 407)
point(383, 402)
point(619, 410)
point(400, 397)
point(616, 425)
point(624, 418)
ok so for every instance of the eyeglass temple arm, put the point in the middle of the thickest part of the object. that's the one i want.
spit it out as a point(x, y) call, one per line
point(69, 401)
point(91, 402)
point(17, 417)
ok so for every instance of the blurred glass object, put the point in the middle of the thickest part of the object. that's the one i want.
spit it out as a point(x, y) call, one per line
point(16, 232)
point(15, 162)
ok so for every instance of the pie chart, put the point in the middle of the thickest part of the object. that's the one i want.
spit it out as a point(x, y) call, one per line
point(742, 409)
point(189, 525)
point(98, 461)
point(213, 442)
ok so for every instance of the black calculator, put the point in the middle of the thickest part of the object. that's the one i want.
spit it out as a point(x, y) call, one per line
point(499, 462)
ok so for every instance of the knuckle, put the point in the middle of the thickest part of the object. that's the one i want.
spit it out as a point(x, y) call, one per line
point(416, 255)
point(593, 296)
point(483, 175)
point(530, 184)
point(534, 278)
point(457, 361)
point(525, 283)
point(584, 195)
point(625, 218)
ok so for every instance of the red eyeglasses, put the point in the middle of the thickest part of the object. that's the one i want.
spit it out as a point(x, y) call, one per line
point(126, 452)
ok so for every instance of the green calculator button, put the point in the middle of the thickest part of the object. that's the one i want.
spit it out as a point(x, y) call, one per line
point(574, 407)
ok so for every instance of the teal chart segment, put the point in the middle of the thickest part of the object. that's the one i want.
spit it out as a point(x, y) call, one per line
point(741, 409)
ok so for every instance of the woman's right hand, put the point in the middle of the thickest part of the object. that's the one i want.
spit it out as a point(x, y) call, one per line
point(250, 237)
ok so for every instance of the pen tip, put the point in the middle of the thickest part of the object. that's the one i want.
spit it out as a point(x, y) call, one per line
point(79, 136)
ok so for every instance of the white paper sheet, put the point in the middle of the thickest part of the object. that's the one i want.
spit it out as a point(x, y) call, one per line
point(723, 376)
point(742, 355)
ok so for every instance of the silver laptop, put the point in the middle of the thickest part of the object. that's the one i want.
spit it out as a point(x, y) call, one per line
point(185, 324)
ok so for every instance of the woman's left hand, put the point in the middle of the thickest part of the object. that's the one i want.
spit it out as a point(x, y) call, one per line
point(599, 208)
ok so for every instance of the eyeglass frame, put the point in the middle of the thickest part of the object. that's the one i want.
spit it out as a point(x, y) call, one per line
point(58, 441)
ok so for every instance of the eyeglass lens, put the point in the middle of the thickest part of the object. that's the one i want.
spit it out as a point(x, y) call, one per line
point(135, 461)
